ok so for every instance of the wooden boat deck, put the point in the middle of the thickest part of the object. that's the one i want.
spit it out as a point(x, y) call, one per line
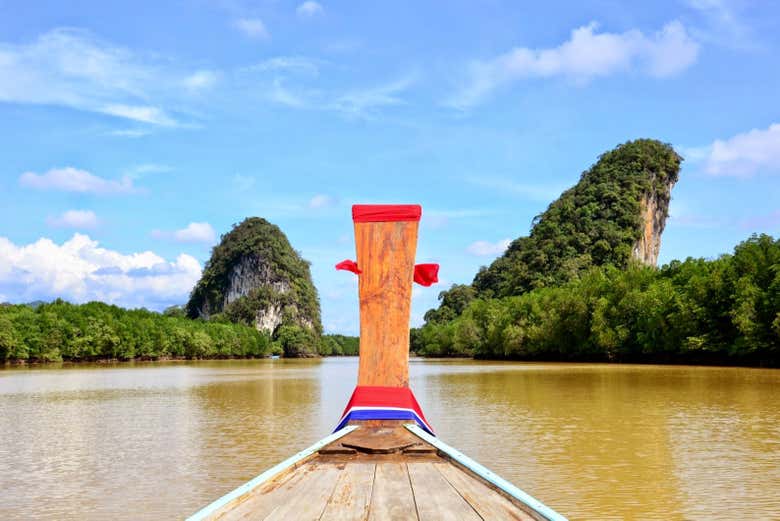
point(375, 472)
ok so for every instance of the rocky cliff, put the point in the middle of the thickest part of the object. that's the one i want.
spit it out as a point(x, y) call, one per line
point(616, 211)
point(255, 277)
point(654, 211)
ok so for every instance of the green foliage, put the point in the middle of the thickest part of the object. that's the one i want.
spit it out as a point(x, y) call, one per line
point(594, 223)
point(95, 331)
point(287, 286)
point(720, 311)
point(340, 345)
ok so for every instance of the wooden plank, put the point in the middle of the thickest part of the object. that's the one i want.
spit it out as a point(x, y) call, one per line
point(489, 503)
point(435, 497)
point(273, 475)
point(352, 495)
point(385, 253)
point(262, 501)
point(392, 497)
point(527, 502)
point(307, 500)
point(380, 439)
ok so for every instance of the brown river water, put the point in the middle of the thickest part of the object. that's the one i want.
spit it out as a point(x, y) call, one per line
point(161, 440)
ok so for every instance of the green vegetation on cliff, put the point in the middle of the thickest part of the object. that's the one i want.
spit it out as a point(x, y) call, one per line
point(97, 331)
point(595, 223)
point(698, 311)
point(254, 277)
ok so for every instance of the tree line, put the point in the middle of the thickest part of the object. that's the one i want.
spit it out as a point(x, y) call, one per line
point(725, 310)
point(61, 331)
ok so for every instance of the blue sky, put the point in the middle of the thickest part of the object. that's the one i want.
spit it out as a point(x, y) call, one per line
point(133, 134)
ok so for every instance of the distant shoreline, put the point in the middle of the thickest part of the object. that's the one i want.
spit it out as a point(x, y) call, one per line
point(116, 361)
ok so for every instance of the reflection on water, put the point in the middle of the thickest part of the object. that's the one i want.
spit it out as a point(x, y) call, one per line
point(159, 441)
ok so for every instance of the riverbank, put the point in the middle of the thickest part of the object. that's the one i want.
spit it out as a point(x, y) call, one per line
point(117, 361)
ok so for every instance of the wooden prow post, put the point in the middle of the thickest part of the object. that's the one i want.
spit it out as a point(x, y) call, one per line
point(386, 243)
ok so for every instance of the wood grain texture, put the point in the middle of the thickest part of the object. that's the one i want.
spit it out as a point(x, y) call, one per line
point(385, 253)
point(260, 502)
point(489, 503)
point(309, 498)
point(380, 440)
point(352, 495)
point(436, 499)
point(392, 498)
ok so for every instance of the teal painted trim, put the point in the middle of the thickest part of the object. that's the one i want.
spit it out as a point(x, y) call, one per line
point(268, 474)
point(489, 476)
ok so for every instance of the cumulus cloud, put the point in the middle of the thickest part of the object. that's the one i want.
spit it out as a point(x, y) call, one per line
point(483, 248)
point(192, 233)
point(72, 68)
point(587, 54)
point(309, 9)
point(742, 155)
point(196, 232)
point(79, 270)
point(71, 179)
point(252, 28)
point(75, 219)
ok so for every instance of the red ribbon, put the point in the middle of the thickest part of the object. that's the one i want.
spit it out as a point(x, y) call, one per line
point(349, 265)
point(426, 274)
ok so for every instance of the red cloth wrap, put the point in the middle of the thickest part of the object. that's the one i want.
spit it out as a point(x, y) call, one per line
point(367, 213)
point(349, 265)
point(379, 396)
point(426, 274)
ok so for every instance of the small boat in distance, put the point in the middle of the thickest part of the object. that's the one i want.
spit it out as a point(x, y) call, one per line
point(384, 460)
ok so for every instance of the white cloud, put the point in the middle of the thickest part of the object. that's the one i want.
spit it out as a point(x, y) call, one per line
point(296, 64)
point(130, 132)
point(72, 68)
point(144, 169)
point(79, 270)
point(144, 114)
point(723, 24)
point(75, 219)
point(281, 95)
point(194, 232)
point(322, 201)
point(742, 155)
point(483, 248)
point(287, 81)
point(71, 179)
point(252, 28)
point(362, 102)
point(200, 80)
point(309, 9)
point(587, 54)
